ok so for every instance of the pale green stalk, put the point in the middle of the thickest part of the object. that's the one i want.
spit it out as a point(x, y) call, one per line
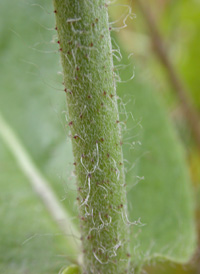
point(89, 79)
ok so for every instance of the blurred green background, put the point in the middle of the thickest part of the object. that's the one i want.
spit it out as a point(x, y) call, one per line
point(32, 104)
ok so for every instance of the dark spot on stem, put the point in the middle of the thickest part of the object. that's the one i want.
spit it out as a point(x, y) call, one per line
point(76, 137)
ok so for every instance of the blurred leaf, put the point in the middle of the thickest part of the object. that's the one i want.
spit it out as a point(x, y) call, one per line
point(33, 105)
point(157, 177)
point(31, 241)
point(72, 269)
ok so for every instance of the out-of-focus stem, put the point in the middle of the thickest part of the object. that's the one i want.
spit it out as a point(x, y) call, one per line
point(188, 108)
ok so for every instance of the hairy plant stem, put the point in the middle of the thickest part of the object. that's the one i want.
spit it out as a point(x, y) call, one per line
point(89, 79)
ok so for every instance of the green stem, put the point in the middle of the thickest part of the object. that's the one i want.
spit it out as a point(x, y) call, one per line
point(86, 54)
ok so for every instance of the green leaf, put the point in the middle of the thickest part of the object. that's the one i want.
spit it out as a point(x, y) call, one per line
point(34, 151)
point(158, 179)
point(35, 113)
point(30, 240)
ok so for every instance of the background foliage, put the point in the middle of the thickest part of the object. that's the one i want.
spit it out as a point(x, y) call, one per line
point(33, 106)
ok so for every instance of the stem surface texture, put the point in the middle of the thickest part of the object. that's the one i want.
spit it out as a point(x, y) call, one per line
point(89, 79)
